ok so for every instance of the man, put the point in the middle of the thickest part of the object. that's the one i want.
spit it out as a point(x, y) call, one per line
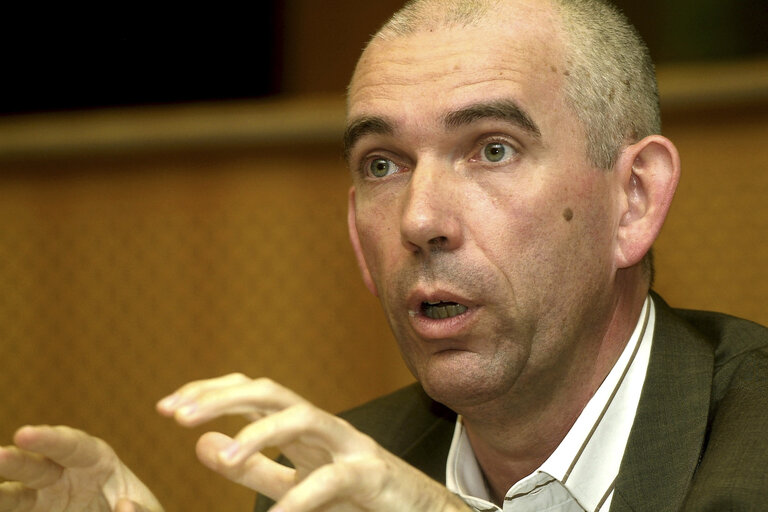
point(509, 180)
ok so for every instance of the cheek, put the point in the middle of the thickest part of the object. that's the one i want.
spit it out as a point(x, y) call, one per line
point(543, 229)
point(378, 234)
point(582, 229)
point(511, 220)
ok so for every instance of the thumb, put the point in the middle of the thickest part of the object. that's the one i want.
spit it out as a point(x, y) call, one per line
point(208, 447)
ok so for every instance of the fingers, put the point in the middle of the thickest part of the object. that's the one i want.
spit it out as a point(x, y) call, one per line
point(63, 468)
point(335, 465)
point(31, 469)
point(312, 427)
point(329, 483)
point(184, 395)
point(379, 482)
point(356, 481)
point(309, 437)
point(259, 472)
point(66, 446)
point(15, 497)
point(201, 401)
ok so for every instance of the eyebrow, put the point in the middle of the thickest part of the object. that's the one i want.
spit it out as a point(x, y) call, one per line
point(504, 110)
point(359, 128)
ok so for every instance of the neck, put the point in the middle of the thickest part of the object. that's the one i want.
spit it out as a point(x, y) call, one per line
point(513, 437)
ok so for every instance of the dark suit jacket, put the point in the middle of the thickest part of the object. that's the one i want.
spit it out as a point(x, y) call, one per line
point(700, 438)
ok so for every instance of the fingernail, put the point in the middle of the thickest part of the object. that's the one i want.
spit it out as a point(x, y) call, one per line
point(230, 451)
point(169, 401)
point(188, 410)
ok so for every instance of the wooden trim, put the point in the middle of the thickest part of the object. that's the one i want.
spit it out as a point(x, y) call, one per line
point(308, 119)
point(173, 127)
point(713, 85)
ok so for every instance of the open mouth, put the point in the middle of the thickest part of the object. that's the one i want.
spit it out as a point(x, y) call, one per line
point(441, 310)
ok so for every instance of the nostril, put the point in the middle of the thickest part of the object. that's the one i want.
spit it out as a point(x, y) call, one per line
point(438, 241)
point(411, 246)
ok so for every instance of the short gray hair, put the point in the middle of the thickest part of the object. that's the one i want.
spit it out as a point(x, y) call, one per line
point(612, 82)
point(416, 15)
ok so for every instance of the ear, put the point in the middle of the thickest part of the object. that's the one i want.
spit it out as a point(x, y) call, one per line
point(354, 237)
point(649, 172)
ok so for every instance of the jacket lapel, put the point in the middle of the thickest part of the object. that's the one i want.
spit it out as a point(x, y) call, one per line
point(667, 436)
point(429, 452)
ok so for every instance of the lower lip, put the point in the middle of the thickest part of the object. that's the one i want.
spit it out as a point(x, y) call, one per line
point(442, 328)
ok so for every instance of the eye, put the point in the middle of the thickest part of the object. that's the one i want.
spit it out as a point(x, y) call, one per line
point(381, 167)
point(495, 152)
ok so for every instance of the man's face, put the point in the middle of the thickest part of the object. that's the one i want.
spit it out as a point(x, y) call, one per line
point(477, 220)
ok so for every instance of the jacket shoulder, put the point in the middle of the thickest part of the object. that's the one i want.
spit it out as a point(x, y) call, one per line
point(695, 436)
point(735, 343)
point(730, 336)
point(735, 447)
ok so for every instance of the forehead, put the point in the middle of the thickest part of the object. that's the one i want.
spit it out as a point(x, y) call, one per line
point(516, 57)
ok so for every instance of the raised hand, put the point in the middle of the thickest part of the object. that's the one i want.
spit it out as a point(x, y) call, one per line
point(61, 469)
point(336, 467)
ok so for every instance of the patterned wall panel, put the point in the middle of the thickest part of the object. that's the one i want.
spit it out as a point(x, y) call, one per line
point(713, 250)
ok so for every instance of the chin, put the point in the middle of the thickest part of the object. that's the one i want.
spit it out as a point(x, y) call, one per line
point(461, 383)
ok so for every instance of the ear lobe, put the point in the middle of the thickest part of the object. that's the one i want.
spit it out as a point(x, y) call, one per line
point(649, 171)
point(354, 237)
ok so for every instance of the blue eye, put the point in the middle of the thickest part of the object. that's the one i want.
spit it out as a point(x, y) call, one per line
point(381, 167)
point(496, 152)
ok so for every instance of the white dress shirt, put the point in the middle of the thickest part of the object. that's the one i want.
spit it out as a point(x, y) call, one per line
point(581, 472)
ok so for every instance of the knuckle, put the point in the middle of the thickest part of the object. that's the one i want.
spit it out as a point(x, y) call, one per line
point(266, 384)
point(304, 411)
point(369, 445)
point(102, 446)
point(189, 388)
point(374, 466)
point(237, 377)
point(365, 477)
point(358, 442)
point(333, 476)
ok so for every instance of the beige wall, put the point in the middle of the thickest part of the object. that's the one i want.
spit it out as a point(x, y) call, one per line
point(713, 250)
point(140, 249)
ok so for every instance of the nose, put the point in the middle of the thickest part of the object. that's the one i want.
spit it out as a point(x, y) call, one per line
point(431, 210)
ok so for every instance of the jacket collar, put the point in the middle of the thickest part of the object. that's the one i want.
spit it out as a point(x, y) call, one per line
point(430, 451)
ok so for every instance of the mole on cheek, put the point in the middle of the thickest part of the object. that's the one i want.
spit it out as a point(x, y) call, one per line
point(568, 214)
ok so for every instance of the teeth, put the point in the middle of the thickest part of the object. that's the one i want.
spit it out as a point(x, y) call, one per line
point(441, 310)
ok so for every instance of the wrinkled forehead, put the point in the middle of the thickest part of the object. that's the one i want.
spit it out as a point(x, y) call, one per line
point(520, 45)
point(432, 72)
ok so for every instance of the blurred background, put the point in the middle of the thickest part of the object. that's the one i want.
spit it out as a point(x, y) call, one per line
point(173, 200)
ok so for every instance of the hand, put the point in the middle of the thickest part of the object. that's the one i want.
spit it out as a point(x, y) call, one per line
point(337, 468)
point(61, 469)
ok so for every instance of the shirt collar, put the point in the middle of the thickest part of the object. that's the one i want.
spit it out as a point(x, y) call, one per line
point(587, 460)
